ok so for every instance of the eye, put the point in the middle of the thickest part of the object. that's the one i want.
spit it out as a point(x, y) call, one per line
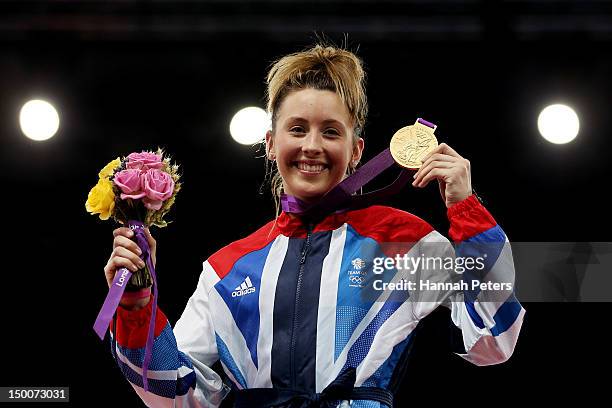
point(332, 131)
point(297, 129)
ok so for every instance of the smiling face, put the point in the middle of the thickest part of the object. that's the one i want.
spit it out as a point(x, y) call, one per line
point(313, 142)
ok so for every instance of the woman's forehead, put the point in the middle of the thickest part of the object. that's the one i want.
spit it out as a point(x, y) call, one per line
point(314, 105)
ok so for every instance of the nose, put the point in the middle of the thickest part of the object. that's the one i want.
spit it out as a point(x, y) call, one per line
point(313, 143)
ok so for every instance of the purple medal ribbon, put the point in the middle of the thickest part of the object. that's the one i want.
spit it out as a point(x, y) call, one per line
point(115, 293)
point(341, 198)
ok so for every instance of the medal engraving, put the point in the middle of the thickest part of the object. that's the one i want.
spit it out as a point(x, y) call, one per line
point(411, 143)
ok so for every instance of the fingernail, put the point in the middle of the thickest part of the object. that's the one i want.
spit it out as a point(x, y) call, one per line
point(414, 176)
point(141, 264)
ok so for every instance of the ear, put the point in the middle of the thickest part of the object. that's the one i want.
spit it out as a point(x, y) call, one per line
point(270, 151)
point(357, 151)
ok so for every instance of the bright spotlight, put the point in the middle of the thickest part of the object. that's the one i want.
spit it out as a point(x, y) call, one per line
point(558, 124)
point(249, 125)
point(38, 120)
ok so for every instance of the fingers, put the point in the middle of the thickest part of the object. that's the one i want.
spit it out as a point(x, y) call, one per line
point(126, 251)
point(123, 231)
point(123, 237)
point(121, 252)
point(442, 148)
point(428, 166)
point(446, 149)
point(433, 160)
point(424, 176)
point(442, 157)
point(121, 258)
point(438, 157)
point(118, 262)
point(121, 241)
point(449, 172)
point(437, 173)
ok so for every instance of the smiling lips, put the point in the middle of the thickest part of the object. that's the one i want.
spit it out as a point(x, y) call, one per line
point(310, 167)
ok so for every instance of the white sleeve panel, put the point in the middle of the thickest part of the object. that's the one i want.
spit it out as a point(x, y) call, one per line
point(195, 336)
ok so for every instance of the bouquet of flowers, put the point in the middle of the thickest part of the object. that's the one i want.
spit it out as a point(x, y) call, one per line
point(137, 190)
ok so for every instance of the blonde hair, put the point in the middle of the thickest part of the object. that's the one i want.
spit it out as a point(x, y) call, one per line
point(323, 67)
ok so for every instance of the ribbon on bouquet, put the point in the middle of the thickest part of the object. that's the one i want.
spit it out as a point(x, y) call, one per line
point(342, 197)
point(115, 293)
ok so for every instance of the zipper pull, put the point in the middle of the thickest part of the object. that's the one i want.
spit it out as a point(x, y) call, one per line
point(309, 228)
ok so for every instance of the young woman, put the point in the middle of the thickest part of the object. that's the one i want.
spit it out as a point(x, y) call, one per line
point(284, 309)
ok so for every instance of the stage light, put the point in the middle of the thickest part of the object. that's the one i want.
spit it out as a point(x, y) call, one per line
point(558, 124)
point(249, 125)
point(38, 120)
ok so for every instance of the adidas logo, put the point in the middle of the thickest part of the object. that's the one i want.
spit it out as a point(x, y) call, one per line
point(244, 288)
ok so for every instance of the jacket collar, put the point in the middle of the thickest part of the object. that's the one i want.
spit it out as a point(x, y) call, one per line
point(295, 225)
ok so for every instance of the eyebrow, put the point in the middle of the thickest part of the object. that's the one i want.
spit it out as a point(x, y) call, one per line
point(326, 121)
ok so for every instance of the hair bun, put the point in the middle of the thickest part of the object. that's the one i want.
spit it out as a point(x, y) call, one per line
point(322, 67)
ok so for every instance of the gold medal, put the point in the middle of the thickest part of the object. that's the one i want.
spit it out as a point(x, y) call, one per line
point(411, 144)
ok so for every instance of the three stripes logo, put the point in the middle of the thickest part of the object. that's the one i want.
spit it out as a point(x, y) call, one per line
point(244, 288)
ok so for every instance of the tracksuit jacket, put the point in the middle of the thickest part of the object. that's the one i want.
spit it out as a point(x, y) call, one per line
point(284, 309)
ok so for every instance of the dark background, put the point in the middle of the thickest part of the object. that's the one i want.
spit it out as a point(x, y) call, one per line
point(132, 75)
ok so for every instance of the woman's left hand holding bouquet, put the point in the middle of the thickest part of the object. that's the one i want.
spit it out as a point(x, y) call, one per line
point(137, 191)
point(127, 254)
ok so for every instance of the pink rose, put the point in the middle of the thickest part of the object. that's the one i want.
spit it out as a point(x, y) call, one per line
point(130, 184)
point(144, 161)
point(158, 187)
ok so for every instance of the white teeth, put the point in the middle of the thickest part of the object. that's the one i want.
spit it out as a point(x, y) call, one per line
point(311, 168)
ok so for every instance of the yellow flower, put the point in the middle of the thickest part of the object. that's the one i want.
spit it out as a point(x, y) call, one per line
point(101, 199)
point(107, 171)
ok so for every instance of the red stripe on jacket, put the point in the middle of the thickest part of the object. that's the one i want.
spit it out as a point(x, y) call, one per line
point(133, 326)
point(468, 218)
point(224, 259)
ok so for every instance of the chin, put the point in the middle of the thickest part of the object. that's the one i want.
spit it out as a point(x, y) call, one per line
point(308, 188)
point(310, 193)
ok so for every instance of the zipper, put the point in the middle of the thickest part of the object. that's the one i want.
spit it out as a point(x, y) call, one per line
point(298, 287)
